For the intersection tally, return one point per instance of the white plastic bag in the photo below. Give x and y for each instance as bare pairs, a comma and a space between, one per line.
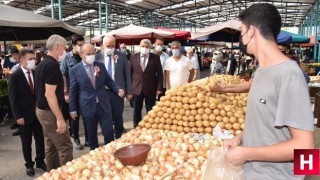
219, 169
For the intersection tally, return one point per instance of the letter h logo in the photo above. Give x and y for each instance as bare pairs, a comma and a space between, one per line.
306, 162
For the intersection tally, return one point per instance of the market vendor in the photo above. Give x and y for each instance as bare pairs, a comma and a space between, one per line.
278, 103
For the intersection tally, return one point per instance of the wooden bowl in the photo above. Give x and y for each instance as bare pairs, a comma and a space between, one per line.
134, 154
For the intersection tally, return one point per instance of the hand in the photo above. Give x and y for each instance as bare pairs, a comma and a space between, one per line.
66, 98
237, 155
232, 143
62, 126
121, 93
158, 93
129, 97
73, 116
20, 122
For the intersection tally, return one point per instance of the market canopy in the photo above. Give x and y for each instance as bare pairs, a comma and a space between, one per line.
228, 31
311, 43
20, 25
178, 34
297, 38
134, 33
284, 37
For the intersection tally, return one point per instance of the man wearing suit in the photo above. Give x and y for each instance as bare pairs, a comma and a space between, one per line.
117, 66
88, 79
23, 99
147, 79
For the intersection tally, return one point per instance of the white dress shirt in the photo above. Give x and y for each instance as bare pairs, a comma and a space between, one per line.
146, 60
25, 72
106, 62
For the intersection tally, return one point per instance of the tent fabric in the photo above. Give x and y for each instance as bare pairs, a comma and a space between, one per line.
133, 32
228, 31
20, 25
177, 33
284, 37
297, 38
311, 43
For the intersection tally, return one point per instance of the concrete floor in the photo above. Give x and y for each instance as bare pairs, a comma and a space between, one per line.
12, 162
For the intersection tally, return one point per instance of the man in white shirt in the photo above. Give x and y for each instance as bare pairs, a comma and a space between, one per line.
194, 59
158, 47
177, 68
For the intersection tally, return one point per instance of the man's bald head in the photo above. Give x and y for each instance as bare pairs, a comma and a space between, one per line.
87, 50
109, 41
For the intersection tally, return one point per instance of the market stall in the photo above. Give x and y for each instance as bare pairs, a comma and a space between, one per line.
180, 131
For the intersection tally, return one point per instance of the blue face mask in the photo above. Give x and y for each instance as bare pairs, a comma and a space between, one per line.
175, 52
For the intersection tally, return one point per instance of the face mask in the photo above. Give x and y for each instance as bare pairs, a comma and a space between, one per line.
124, 50
158, 48
31, 65
12, 60
62, 56
175, 52
244, 47
90, 59
78, 49
144, 51
109, 51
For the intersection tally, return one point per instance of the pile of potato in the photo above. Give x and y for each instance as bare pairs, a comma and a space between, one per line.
195, 108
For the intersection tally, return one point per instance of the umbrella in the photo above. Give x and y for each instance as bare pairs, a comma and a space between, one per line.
228, 31
132, 32
20, 25
311, 43
284, 37
297, 38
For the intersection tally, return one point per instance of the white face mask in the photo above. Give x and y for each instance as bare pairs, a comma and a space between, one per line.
61, 57
175, 52
90, 59
12, 60
31, 64
144, 50
158, 48
109, 51
78, 49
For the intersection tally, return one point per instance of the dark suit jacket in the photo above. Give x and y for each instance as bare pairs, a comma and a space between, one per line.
122, 76
21, 98
151, 79
80, 84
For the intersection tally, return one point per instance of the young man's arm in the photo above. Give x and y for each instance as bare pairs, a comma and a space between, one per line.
238, 88
301, 139
167, 79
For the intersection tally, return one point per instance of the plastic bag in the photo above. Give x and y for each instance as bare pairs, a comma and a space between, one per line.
219, 169
222, 134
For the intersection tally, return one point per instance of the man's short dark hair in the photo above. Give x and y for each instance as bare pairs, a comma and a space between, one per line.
75, 38
160, 39
286, 45
23, 52
265, 17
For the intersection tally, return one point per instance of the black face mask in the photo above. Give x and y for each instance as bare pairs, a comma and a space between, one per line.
244, 47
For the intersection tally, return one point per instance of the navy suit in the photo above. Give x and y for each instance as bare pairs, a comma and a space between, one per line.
122, 78
91, 110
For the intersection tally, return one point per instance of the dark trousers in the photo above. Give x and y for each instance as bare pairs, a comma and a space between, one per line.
162, 94
150, 101
105, 121
26, 132
117, 107
74, 124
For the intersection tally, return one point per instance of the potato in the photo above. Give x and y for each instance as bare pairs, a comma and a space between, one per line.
182, 112
201, 111
179, 99
208, 130
169, 111
205, 117
166, 115
194, 130
221, 124
213, 124
228, 126
192, 100
163, 120
216, 112
173, 128
186, 129
179, 117
194, 112
185, 100
200, 129
157, 120
199, 104
142, 124
161, 126
192, 124
185, 123
187, 112
180, 129
172, 116
151, 120
241, 120
208, 111
168, 121
160, 103
167, 127
206, 123
186, 106
193, 106
179, 105
173, 99
192, 118
236, 126
180, 123
167, 103
175, 122
233, 120
212, 117
199, 123
198, 117
173, 105
176, 111
225, 119
154, 126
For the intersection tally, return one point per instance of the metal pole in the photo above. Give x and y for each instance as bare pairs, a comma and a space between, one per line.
100, 19
316, 32
60, 10
52, 9
107, 16
147, 19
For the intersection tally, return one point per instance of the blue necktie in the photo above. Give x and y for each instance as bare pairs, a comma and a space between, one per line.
110, 67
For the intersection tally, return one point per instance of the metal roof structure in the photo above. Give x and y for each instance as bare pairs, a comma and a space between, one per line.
180, 14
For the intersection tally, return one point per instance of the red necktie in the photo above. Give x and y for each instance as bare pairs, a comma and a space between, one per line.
30, 83
92, 80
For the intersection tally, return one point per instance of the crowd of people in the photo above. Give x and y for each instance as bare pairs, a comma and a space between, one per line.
94, 85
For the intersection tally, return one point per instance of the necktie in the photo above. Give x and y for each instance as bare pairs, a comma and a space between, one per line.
143, 63
91, 77
30, 83
110, 66
92, 80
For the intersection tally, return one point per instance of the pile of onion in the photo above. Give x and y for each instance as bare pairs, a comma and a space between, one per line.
195, 108
169, 150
